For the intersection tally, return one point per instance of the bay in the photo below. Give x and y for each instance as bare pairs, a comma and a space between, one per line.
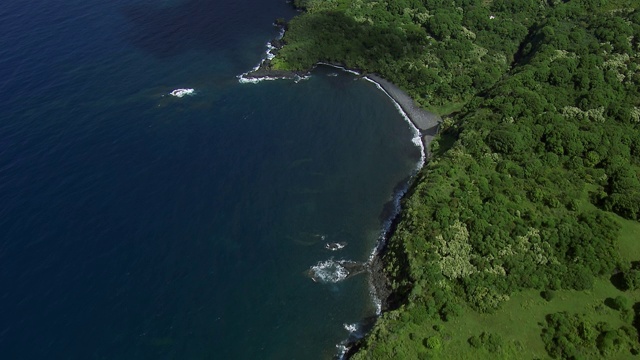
138, 225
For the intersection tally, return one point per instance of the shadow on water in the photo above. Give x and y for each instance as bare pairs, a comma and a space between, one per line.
390, 208
207, 25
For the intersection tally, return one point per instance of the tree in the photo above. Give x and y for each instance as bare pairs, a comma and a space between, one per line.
504, 141
632, 279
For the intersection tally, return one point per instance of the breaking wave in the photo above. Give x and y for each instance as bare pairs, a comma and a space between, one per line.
269, 55
182, 92
254, 80
335, 246
417, 136
328, 271
397, 197
351, 328
355, 333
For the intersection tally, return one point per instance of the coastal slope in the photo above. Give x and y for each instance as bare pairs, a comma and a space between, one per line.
517, 239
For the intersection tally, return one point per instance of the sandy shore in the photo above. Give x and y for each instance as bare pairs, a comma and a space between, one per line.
422, 119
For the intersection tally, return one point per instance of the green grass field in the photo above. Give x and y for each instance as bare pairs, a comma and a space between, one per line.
629, 240
520, 321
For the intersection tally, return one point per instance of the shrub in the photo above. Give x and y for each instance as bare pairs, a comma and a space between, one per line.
548, 294
433, 342
475, 342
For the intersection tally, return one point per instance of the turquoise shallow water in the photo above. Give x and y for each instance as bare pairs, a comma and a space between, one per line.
136, 225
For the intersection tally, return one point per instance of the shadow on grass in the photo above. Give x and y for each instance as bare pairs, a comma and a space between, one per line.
636, 318
617, 280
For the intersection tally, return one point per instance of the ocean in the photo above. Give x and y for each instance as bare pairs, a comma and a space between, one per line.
139, 225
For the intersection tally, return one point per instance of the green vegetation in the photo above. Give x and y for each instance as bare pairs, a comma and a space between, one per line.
514, 235
442, 53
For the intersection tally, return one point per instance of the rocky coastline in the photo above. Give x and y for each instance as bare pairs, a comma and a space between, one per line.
265, 70
425, 123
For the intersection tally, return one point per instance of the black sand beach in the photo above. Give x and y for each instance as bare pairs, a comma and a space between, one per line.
422, 119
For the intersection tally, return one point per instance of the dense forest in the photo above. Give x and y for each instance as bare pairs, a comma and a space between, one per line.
520, 237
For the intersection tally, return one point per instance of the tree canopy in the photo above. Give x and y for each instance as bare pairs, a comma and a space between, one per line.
520, 191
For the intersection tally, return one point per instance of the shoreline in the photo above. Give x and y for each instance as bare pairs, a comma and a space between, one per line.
425, 121
425, 126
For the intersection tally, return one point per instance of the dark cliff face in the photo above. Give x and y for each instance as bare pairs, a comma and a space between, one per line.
381, 284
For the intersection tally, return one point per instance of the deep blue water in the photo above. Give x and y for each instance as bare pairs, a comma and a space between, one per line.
136, 225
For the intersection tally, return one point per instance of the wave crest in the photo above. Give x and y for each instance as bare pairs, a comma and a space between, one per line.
182, 92
328, 271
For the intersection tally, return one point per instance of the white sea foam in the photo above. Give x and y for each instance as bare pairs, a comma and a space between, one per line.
339, 67
269, 55
417, 136
299, 78
328, 271
342, 351
397, 197
353, 329
182, 92
382, 240
417, 140
335, 246
254, 80
350, 327
355, 333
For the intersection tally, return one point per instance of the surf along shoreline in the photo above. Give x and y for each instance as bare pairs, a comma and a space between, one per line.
425, 126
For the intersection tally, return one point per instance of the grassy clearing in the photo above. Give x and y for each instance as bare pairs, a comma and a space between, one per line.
629, 239
520, 321
447, 108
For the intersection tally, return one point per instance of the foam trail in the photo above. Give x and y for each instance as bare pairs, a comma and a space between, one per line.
331, 271
417, 140
245, 80
344, 347
299, 78
354, 72
397, 197
342, 351
417, 136
269, 55
355, 333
